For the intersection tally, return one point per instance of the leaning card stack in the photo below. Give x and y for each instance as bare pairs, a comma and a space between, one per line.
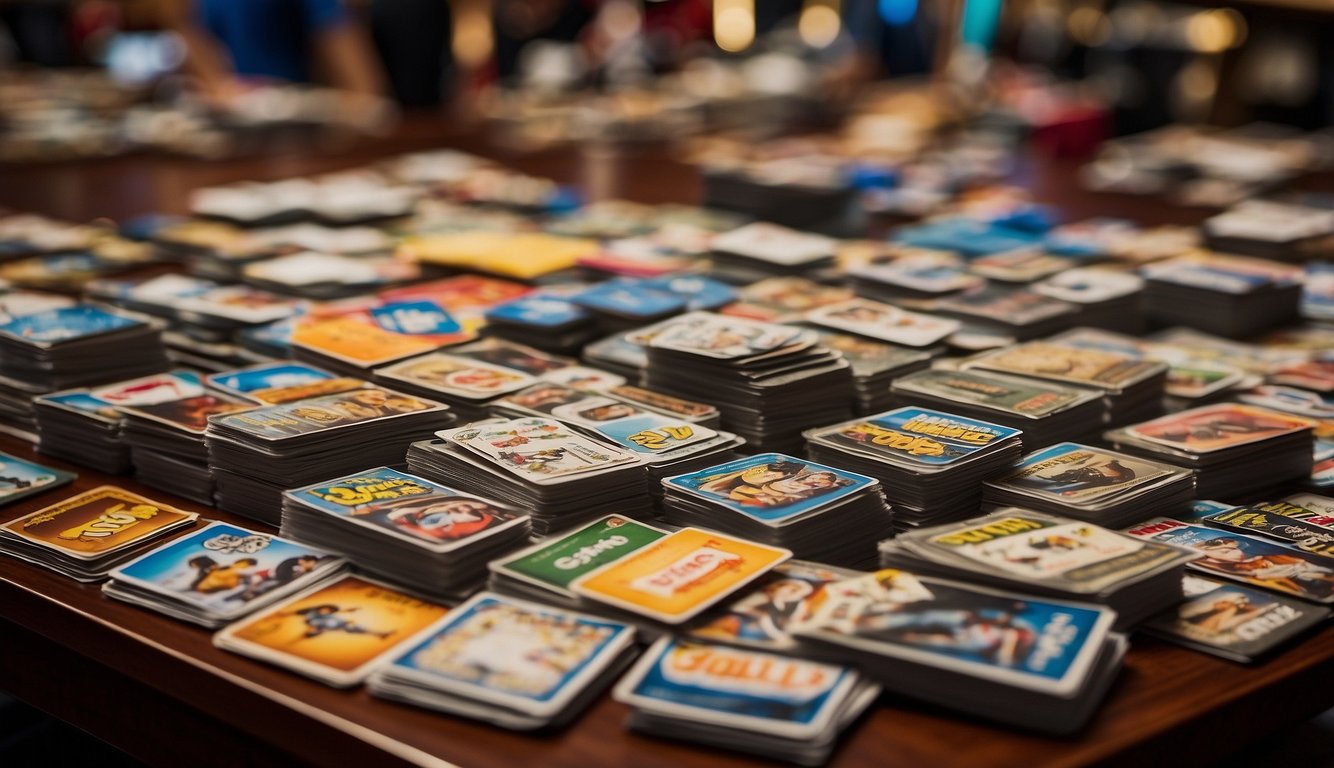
1094, 484
1235, 450
769, 381
1040, 554
785, 502
219, 573
560, 476
405, 528
1132, 387
1232, 296
508, 662
1029, 661
336, 632
1045, 412
255, 455
85, 536
930, 463
777, 707
466, 384
166, 442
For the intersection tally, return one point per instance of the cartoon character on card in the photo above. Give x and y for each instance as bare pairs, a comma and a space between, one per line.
327, 617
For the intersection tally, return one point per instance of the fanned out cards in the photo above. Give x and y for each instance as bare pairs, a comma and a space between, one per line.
1034, 662
1235, 556
752, 701
87, 535
336, 632
559, 475
1042, 554
1094, 484
786, 502
432, 538
931, 463
1046, 412
255, 455
509, 662
1234, 449
218, 574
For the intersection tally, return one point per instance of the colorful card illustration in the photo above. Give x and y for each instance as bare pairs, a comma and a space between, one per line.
780, 299
540, 311
772, 488
514, 654
739, 688
555, 563
510, 355
357, 342
918, 436
461, 293
628, 298
925, 274
82, 402
884, 322
1070, 473
150, 390
699, 292
650, 433
762, 617
1314, 509
1246, 559
96, 523
20, 478
1038, 644
667, 404
1024, 397
422, 318
222, 568
63, 324
1218, 427
539, 450
775, 244
457, 375
1225, 274
280, 395
409, 508
335, 632
1273, 520
727, 337
583, 378
190, 414
255, 382
1090, 367
676, 577
1013, 307
303, 417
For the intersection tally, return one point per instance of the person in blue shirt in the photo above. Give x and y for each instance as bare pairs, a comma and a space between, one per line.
231, 41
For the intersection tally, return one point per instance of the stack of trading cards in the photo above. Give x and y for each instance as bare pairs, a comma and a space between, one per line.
1227, 554
1045, 412
760, 376
1104, 298
1021, 314
85, 425
560, 476
1235, 450
1029, 661
255, 455
20, 478
755, 251
1230, 296
1290, 524
919, 274
1132, 387
544, 571
219, 573
777, 707
799, 505
668, 445
508, 662
930, 463
466, 384
405, 528
85, 536
874, 366
336, 632
79, 345
1016, 549
883, 322
166, 442
1232, 621
1093, 484
1274, 229
543, 320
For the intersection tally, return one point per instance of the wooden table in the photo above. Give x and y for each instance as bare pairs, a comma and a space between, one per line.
159, 690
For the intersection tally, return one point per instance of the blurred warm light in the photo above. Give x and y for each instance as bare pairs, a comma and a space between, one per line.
819, 24
1089, 26
1216, 30
734, 24
1195, 86
473, 40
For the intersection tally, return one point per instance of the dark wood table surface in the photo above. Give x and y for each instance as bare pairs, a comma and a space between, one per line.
158, 689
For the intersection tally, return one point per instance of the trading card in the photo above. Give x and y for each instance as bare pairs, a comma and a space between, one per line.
539, 450
727, 337
555, 563
547, 398
514, 654
19, 303
936, 273
884, 322
335, 632
772, 488
775, 244
917, 436
1271, 520
1315, 375
1217, 427
20, 478
1090, 285
1195, 381
239, 303
306, 391
700, 293
541, 310
189, 414
302, 417
741, 689
510, 355
762, 617
1069, 473
663, 403
409, 508
149, 390
676, 577
1241, 622
781, 299
652, 433
53, 326
458, 375
584, 379
256, 381
421, 318
1290, 400
869, 358
629, 299
1023, 397
1020, 266
1320, 508
1226, 274
356, 342
1006, 305
1107, 370
97, 522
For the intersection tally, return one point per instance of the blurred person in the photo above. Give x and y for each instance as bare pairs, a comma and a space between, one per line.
413, 40
520, 22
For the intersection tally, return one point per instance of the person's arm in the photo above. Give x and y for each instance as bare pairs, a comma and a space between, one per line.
205, 57
345, 57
